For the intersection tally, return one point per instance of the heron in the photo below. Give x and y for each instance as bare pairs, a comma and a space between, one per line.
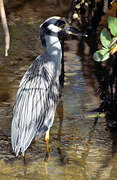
38, 92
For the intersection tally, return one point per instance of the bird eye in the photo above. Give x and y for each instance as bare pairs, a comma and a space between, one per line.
62, 26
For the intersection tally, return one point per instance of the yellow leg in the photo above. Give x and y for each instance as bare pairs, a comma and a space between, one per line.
47, 145
47, 141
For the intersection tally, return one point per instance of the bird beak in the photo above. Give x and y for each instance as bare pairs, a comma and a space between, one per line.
74, 31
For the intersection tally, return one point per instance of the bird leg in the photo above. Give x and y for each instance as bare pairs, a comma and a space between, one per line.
47, 143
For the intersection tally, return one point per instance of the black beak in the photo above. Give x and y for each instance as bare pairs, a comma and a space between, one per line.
74, 31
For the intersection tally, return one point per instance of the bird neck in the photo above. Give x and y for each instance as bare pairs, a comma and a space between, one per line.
53, 46
54, 54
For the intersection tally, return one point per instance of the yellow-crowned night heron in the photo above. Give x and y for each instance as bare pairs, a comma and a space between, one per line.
37, 96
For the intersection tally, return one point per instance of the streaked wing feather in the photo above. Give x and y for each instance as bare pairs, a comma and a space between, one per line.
34, 106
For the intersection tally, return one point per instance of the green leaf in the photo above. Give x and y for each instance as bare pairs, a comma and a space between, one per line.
105, 38
101, 55
112, 25
86, 4
95, 115
78, 6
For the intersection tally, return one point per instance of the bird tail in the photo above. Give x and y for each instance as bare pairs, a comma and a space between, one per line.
21, 138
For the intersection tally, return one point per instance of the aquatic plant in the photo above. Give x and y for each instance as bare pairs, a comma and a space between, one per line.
108, 41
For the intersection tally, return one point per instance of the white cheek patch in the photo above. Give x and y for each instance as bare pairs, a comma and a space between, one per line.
53, 17
54, 28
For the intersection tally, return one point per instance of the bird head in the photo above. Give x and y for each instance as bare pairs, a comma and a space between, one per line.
57, 26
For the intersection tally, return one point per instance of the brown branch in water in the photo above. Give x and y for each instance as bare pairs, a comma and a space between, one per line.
5, 27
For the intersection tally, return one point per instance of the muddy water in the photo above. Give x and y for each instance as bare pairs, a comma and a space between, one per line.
80, 147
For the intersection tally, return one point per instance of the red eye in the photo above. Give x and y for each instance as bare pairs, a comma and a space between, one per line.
62, 26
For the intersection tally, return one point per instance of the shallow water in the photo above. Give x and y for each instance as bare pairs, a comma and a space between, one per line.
80, 147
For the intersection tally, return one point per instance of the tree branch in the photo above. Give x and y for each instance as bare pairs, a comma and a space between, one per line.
5, 27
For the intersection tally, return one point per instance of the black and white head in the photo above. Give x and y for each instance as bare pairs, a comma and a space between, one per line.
54, 26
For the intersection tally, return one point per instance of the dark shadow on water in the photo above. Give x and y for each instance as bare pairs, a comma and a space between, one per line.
60, 116
100, 77
62, 155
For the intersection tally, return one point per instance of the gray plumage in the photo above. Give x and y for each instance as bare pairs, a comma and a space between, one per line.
37, 96
35, 105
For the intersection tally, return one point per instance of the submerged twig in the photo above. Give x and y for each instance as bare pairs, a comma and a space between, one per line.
5, 27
